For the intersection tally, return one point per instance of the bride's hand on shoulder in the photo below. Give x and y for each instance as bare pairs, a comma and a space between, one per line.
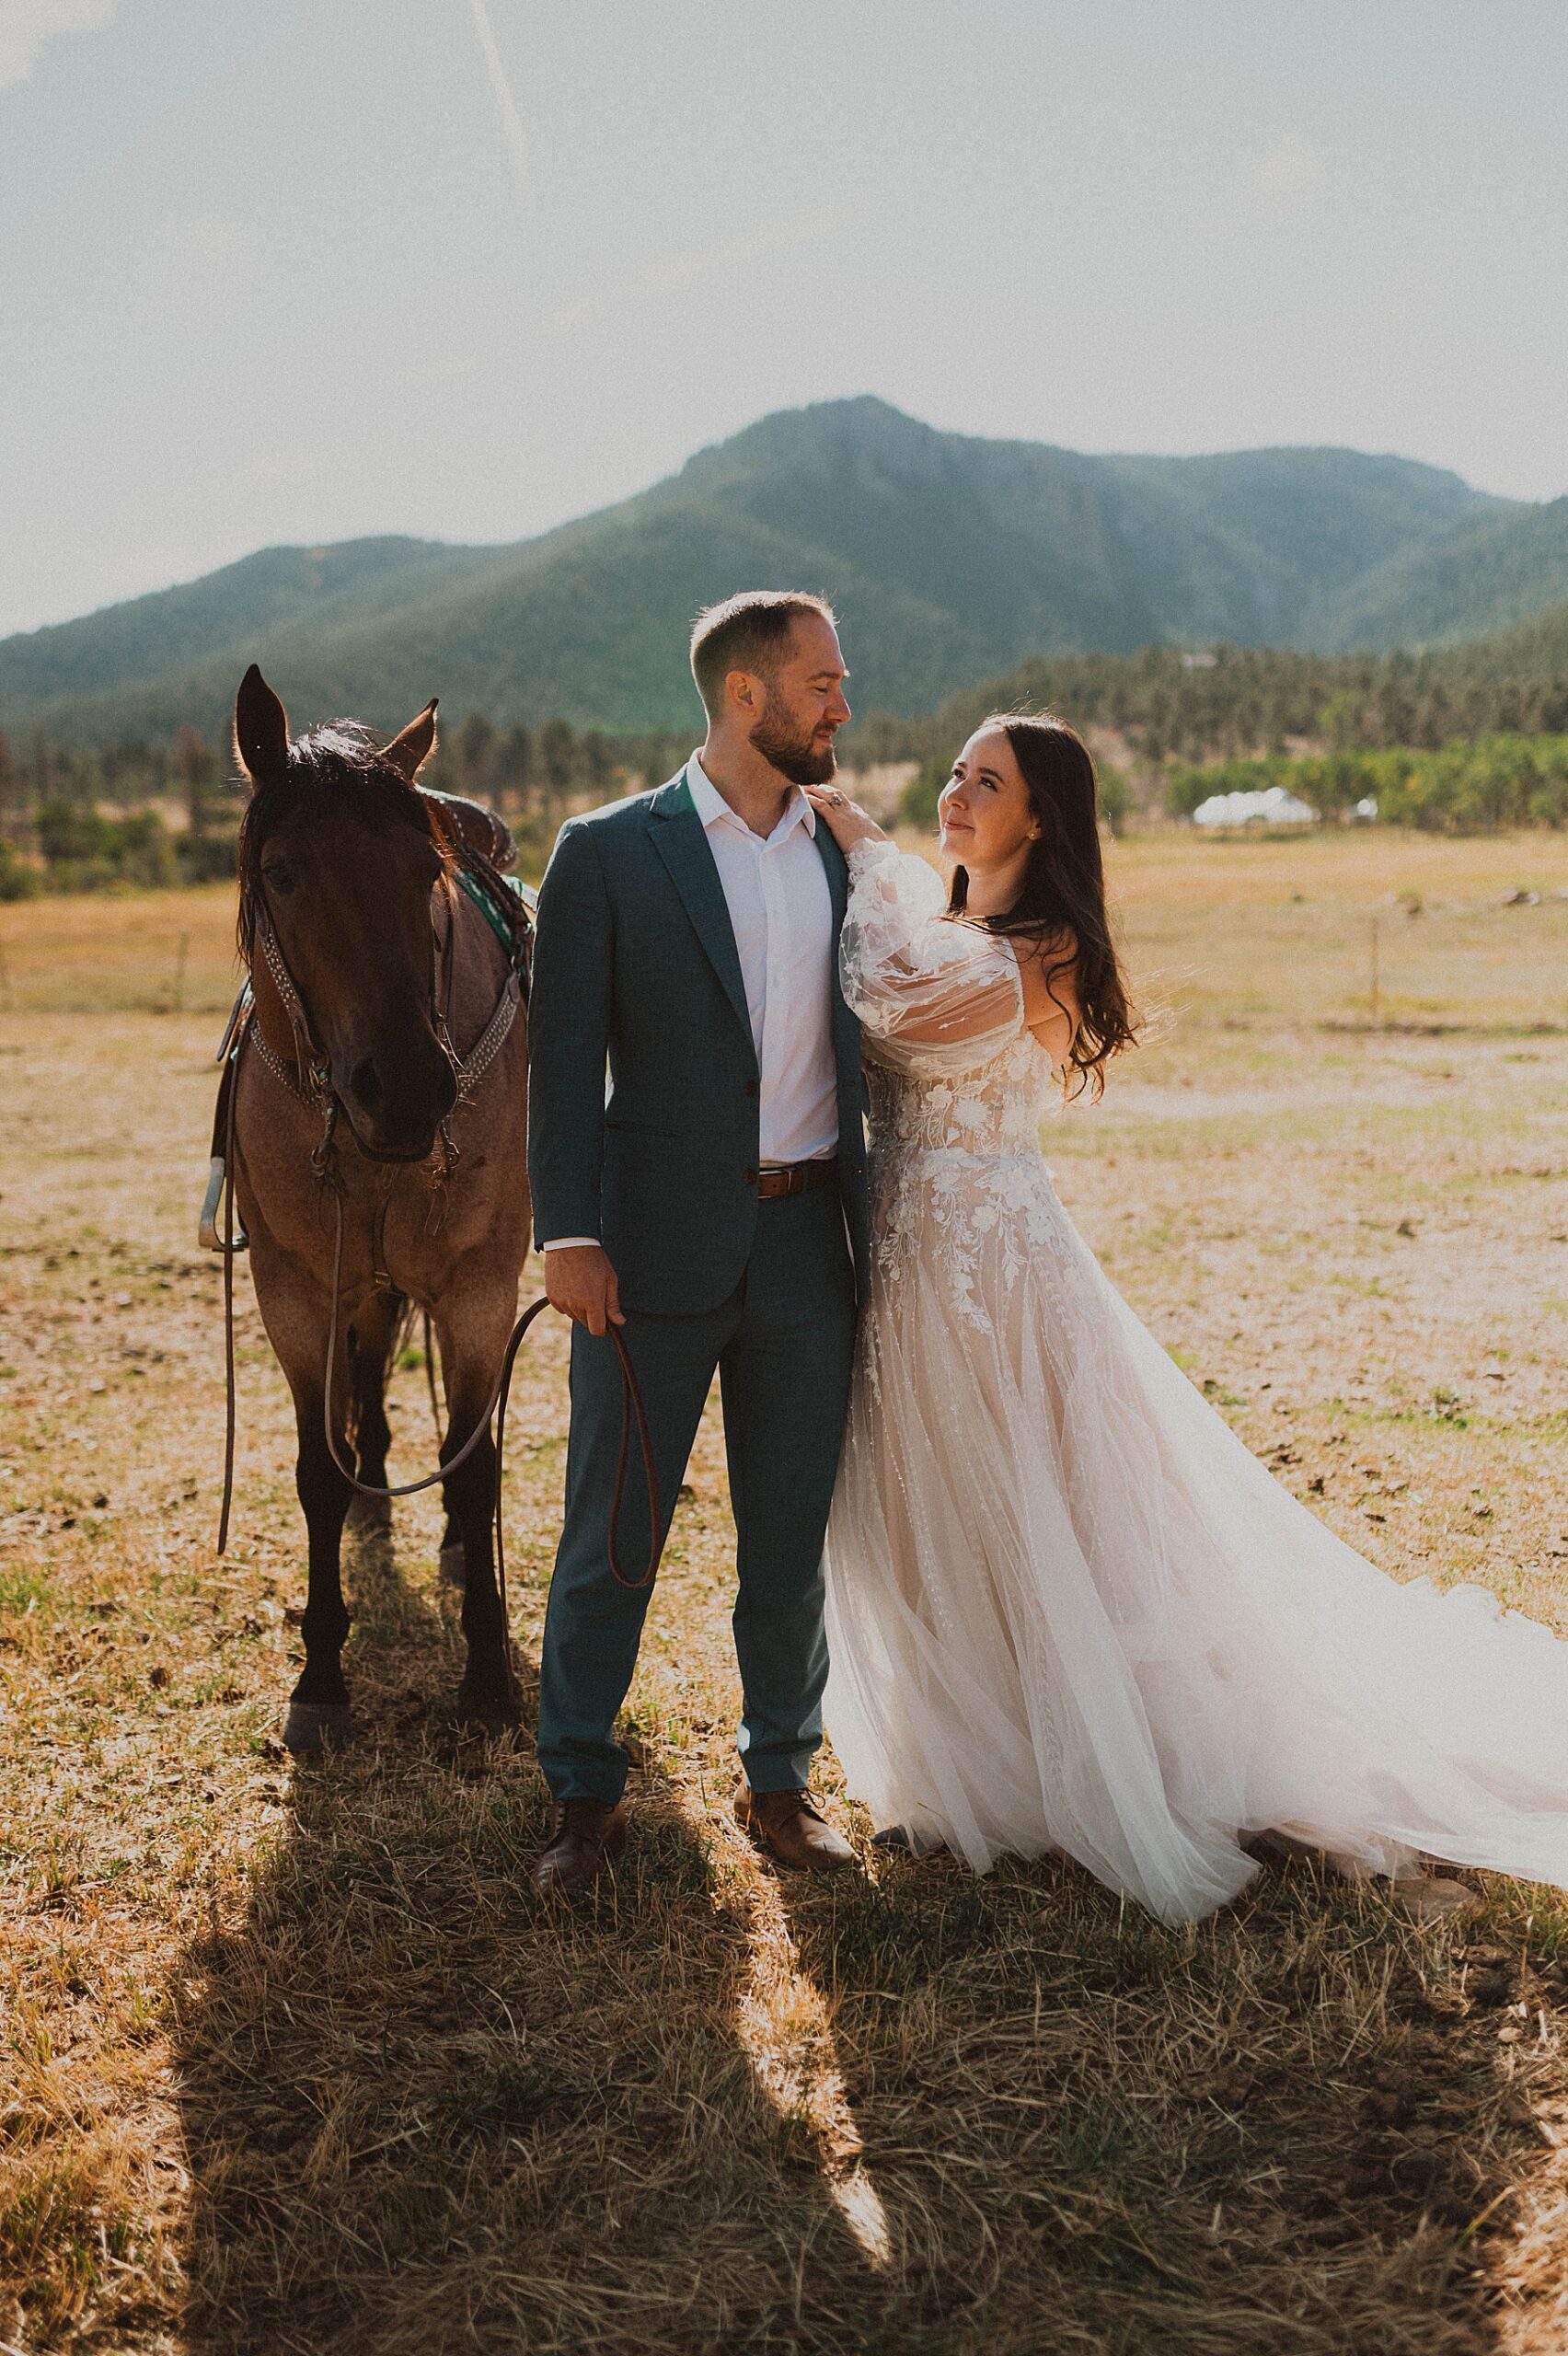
845, 820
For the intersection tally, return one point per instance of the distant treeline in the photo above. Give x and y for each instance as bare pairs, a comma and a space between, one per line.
1461, 788
535, 775
1234, 701
147, 814
144, 812
134, 813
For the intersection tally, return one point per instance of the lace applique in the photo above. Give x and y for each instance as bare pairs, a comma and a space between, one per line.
959, 1087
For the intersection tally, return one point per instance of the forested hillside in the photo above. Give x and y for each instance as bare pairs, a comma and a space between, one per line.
1234, 702
277, 592
1485, 572
950, 560
159, 811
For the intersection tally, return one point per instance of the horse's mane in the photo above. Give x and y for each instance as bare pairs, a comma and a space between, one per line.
342, 757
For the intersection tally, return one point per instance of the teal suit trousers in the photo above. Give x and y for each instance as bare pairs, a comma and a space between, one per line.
781, 1344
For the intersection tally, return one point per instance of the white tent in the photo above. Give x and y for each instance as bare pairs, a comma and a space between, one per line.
1277, 806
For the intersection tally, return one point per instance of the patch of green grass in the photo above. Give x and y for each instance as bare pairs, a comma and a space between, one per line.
23, 1590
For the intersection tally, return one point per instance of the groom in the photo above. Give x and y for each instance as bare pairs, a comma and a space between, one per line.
713, 1206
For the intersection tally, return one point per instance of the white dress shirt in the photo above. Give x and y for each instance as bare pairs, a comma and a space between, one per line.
782, 915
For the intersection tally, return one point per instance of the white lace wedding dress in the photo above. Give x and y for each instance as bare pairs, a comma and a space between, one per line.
1066, 1609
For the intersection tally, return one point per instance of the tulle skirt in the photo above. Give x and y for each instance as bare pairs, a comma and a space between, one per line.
1067, 1610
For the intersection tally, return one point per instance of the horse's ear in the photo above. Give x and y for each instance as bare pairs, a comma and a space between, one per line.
410, 750
260, 729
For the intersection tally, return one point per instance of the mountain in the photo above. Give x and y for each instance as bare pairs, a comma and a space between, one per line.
950, 559
1535, 647
1485, 572
276, 592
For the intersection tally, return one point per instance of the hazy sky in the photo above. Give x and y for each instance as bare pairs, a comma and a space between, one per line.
298, 270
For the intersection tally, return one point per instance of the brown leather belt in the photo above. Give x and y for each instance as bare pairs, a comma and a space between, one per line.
796, 1178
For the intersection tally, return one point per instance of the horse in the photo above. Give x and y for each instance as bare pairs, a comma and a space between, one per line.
375, 1118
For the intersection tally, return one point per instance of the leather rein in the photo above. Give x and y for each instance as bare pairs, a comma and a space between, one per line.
308, 1079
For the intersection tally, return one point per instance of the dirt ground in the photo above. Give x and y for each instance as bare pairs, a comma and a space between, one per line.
293, 2058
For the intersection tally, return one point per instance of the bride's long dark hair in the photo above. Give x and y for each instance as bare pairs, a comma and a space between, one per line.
1061, 903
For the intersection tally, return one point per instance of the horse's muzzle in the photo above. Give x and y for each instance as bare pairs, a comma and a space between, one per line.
396, 1098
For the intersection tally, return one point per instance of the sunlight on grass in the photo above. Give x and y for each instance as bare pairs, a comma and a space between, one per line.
786, 2030
297, 2060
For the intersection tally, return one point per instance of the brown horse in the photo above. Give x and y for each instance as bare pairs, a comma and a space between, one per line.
378, 1112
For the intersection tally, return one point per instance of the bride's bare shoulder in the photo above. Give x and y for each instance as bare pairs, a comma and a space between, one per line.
1048, 970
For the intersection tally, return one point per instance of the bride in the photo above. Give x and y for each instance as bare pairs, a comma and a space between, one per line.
1066, 1609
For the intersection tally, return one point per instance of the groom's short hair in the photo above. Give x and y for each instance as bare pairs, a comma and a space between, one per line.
747, 633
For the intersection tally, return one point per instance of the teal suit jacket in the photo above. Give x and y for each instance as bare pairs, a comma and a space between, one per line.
635, 963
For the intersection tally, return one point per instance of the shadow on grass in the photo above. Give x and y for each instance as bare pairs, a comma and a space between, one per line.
425, 2109
1292, 2130
715, 2110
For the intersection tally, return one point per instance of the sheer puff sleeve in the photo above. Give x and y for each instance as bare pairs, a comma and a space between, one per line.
933, 996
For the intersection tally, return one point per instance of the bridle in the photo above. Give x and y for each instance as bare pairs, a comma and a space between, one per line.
310, 1081
309, 1077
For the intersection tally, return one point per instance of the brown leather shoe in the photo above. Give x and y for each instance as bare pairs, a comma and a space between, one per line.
790, 1827
584, 1835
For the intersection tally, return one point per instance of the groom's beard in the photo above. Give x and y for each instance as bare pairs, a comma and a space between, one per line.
795, 756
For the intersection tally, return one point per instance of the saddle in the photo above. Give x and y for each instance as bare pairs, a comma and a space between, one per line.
473, 827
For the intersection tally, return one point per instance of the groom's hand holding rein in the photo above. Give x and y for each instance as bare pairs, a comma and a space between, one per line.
579, 1281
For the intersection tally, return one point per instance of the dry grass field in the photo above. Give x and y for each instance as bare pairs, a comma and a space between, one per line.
294, 2061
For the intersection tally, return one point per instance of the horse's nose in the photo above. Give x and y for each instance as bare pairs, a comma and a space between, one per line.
400, 1093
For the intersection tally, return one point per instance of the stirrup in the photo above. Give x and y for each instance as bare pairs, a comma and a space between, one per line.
207, 1234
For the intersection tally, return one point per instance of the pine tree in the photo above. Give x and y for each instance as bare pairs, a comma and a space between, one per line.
514, 769
476, 749
557, 749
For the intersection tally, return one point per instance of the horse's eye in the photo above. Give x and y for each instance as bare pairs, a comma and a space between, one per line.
278, 875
